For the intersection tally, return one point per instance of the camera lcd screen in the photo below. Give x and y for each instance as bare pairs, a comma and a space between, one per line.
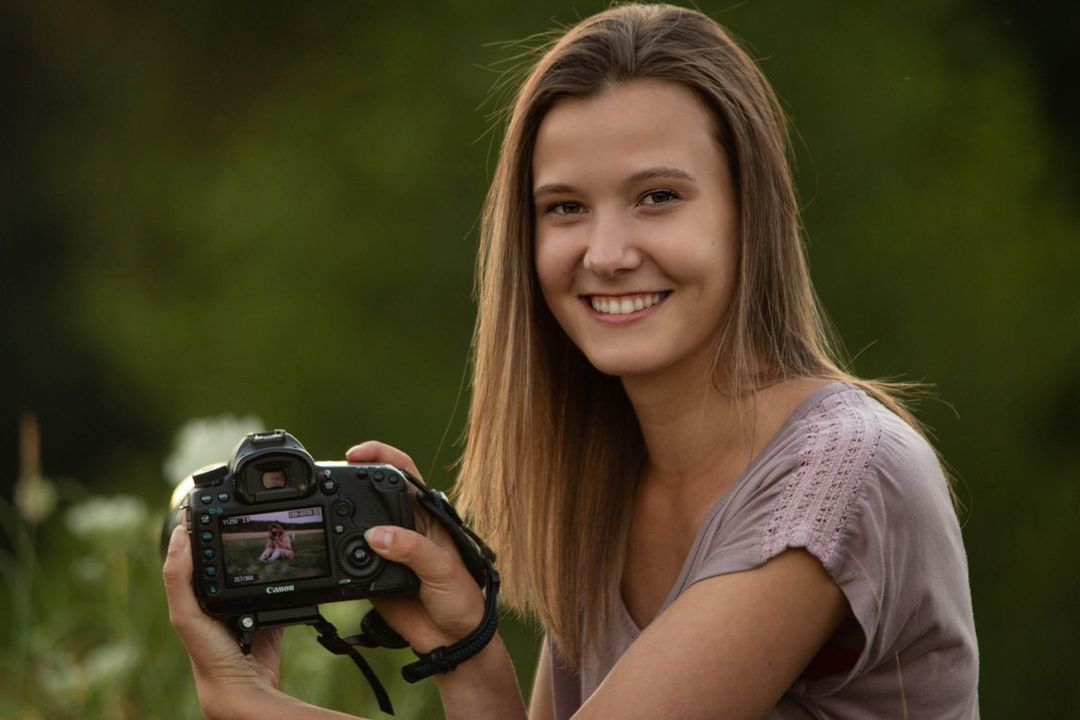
274, 546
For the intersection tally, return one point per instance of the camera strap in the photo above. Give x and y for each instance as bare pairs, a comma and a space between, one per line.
328, 638
478, 558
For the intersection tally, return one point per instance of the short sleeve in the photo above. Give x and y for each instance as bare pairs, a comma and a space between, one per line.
864, 493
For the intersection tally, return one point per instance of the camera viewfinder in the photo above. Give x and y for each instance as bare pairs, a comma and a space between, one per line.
272, 479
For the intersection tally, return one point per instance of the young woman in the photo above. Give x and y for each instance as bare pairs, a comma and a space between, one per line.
710, 517
278, 545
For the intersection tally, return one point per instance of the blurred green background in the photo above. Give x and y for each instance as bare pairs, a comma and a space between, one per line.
269, 210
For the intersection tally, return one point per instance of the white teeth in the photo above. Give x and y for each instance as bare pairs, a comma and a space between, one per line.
624, 305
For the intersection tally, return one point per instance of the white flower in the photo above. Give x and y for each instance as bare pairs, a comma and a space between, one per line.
60, 674
117, 516
108, 661
206, 440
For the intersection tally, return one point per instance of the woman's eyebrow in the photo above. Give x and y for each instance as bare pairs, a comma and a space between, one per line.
652, 173
551, 189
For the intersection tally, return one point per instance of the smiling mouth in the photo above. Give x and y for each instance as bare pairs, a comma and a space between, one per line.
625, 304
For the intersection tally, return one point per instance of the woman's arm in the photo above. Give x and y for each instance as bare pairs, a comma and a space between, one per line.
483, 687
448, 607
540, 704
729, 647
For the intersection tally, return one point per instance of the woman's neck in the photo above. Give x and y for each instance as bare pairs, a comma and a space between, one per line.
687, 424
692, 428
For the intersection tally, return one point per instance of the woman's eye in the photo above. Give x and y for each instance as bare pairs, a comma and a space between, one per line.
658, 197
564, 208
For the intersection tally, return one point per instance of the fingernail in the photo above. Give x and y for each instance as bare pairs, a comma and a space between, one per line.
379, 537
177, 540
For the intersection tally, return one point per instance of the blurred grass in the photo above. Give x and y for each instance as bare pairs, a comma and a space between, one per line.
88, 635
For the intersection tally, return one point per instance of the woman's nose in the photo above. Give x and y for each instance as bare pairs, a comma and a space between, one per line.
611, 248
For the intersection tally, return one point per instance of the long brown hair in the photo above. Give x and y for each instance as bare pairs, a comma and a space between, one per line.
553, 449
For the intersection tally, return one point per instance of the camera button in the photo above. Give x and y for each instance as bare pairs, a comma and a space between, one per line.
212, 589
208, 554
329, 486
206, 498
207, 536
204, 519
211, 571
215, 511
223, 497
378, 475
343, 508
339, 529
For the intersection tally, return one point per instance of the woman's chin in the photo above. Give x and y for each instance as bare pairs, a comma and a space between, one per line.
625, 367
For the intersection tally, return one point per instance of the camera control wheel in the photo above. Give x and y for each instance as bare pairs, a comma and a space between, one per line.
357, 559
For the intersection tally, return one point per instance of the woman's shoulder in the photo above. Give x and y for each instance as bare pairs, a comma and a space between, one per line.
840, 467
843, 434
848, 454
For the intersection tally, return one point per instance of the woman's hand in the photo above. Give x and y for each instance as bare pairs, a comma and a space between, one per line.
450, 604
225, 678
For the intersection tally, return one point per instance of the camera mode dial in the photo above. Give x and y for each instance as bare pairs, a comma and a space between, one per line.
357, 559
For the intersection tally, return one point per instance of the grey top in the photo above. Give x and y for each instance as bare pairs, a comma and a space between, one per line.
853, 484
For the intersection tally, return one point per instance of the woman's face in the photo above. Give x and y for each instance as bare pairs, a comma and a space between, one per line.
636, 227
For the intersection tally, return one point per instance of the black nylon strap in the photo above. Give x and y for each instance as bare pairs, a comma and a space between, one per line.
475, 553
446, 658
481, 566
329, 639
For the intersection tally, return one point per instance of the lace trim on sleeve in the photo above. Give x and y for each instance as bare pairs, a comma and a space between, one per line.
842, 437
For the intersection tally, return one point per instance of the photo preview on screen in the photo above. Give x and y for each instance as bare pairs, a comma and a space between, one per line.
274, 546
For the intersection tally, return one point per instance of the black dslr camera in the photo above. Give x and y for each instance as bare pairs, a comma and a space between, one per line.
274, 534
273, 530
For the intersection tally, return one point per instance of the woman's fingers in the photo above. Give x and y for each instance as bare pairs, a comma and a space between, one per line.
200, 634
431, 563
374, 451
213, 650
184, 609
449, 595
